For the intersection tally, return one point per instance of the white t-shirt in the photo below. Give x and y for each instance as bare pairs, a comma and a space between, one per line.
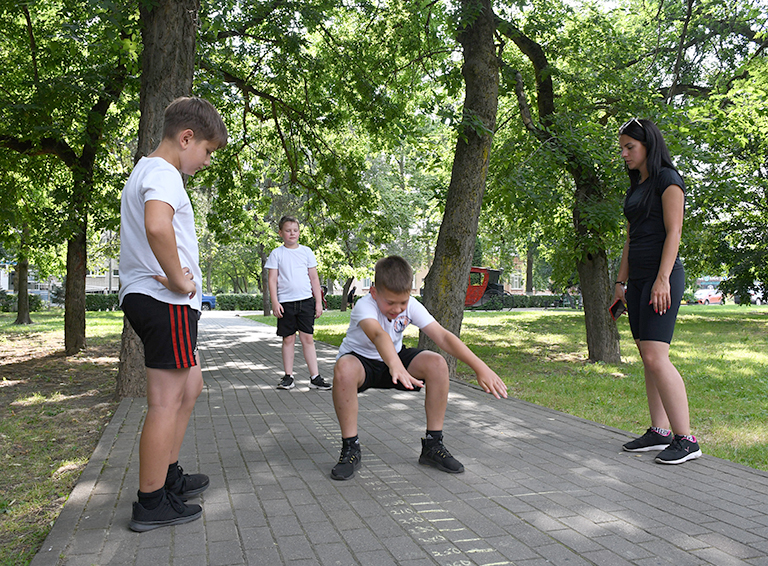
357, 340
292, 266
154, 178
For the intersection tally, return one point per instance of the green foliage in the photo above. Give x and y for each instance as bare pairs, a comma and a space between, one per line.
9, 302
101, 302
507, 302
239, 302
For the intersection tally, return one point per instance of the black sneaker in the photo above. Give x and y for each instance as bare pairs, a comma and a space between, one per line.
318, 382
186, 485
350, 459
651, 440
438, 457
286, 382
171, 511
681, 450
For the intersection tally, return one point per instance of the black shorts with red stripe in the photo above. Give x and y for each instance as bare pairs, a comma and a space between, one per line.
168, 332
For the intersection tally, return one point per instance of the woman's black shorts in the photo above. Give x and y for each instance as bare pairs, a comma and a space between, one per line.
646, 324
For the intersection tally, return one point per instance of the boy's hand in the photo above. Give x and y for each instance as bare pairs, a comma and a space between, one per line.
408, 381
183, 287
277, 308
318, 309
492, 383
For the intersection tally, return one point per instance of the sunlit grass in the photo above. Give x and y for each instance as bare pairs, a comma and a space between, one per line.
721, 352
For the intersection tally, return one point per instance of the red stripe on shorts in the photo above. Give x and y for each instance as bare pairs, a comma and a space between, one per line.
175, 342
188, 340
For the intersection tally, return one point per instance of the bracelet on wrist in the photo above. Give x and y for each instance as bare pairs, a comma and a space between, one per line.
622, 283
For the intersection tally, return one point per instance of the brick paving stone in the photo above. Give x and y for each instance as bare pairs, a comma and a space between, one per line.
540, 487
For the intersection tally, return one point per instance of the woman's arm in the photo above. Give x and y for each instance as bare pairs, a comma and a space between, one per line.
673, 204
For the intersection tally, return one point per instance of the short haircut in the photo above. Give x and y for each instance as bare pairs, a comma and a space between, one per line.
285, 220
198, 115
394, 274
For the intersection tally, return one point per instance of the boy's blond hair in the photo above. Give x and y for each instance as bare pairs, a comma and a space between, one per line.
285, 220
394, 274
198, 115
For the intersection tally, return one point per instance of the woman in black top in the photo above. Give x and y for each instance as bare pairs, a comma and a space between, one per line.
654, 278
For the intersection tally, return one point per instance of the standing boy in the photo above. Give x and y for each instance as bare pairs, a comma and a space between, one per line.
294, 288
372, 355
160, 295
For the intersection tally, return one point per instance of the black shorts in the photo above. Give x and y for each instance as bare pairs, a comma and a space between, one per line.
168, 332
646, 324
377, 374
297, 315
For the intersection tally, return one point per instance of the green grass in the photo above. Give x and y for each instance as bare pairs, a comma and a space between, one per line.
721, 351
52, 411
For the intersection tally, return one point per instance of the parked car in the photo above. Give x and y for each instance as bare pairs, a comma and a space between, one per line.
755, 297
209, 302
709, 296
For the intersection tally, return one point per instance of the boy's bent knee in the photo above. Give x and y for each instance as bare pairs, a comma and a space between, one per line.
349, 371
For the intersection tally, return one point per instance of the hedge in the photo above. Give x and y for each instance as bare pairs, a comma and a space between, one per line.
8, 302
522, 301
239, 302
101, 302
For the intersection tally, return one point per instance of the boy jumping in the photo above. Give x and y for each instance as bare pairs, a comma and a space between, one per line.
372, 355
160, 295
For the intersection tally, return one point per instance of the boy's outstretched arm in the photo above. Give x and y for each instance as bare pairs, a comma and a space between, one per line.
386, 349
158, 223
452, 344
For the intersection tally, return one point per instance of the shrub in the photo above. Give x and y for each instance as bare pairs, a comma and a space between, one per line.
239, 302
101, 302
8, 302
519, 301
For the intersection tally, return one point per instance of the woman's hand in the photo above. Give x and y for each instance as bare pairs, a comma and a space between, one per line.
661, 295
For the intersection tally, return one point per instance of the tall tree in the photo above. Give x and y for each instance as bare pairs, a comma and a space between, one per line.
168, 62
446, 282
56, 100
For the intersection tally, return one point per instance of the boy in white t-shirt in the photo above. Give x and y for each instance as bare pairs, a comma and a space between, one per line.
294, 289
160, 289
372, 355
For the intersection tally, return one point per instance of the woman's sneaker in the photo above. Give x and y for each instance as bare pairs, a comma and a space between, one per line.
437, 456
681, 450
318, 382
171, 511
350, 459
286, 382
651, 440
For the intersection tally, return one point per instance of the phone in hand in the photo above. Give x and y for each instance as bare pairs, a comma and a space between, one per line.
617, 309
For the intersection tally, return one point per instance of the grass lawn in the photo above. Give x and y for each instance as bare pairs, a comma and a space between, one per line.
721, 351
53, 409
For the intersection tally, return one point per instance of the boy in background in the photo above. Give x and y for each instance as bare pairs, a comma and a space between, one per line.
294, 288
160, 295
372, 355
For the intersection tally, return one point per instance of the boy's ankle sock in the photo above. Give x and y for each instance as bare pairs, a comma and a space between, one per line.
173, 473
152, 499
661, 431
352, 440
433, 437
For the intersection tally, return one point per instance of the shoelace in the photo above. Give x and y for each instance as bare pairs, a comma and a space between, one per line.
441, 451
347, 452
176, 502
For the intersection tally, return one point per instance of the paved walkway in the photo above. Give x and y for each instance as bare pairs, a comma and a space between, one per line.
540, 487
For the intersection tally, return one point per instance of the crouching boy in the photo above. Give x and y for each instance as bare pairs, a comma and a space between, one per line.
372, 355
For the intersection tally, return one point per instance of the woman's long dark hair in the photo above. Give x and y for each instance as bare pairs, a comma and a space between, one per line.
657, 155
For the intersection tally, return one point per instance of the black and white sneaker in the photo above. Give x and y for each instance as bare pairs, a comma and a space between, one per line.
350, 460
286, 382
186, 485
437, 456
681, 450
318, 382
651, 440
171, 511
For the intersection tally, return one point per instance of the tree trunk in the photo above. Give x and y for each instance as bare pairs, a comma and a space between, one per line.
74, 297
446, 283
529, 259
265, 296
22, 293
596, 289
168, 63
345, 293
